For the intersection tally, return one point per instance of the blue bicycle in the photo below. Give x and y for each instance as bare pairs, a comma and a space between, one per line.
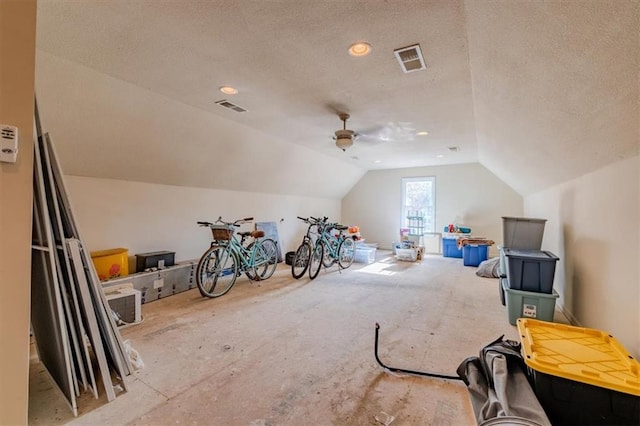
331, 248
228, 257
305, 255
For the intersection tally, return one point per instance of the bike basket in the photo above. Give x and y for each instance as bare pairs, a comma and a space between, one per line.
222, 233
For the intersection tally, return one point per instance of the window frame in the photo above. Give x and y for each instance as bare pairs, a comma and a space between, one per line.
405, 210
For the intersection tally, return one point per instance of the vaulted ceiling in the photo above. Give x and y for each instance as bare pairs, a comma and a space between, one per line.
538, 92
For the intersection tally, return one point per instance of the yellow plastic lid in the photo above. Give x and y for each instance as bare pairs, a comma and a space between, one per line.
109, 252
581, 354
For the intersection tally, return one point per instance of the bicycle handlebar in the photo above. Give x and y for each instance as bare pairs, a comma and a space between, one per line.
219, 220
313, 220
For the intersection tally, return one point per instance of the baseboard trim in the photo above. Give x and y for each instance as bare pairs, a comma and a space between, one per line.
568, 315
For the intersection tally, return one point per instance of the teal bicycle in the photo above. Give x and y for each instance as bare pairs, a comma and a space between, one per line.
305, 256
332, 248
229, 257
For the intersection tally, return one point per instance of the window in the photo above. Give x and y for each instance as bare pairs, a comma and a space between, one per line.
419, 200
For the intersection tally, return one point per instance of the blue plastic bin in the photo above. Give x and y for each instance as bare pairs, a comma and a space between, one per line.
531, 270
450, 248
474, 255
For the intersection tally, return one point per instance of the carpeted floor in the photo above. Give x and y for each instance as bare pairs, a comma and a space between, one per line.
301, 352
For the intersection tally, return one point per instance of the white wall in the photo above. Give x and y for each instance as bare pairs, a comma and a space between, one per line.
145, 217
108, 128
468, 191
593, 226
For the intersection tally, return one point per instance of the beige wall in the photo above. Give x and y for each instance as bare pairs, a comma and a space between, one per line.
593, 227
17, 42
146, 217
468, 191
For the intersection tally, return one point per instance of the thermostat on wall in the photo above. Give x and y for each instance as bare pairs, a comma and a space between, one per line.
8, 143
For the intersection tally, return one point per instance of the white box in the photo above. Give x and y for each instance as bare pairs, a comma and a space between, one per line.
126, 303
365, 254
408, 255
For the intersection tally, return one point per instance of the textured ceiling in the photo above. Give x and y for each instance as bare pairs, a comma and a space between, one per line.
539, 92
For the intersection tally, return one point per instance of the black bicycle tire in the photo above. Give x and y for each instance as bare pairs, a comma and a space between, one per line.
314, 273
203, 263
353, 254
272, 262
296, 260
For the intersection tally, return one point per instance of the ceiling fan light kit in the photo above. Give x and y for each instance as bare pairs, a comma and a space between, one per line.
343, 142
344, 137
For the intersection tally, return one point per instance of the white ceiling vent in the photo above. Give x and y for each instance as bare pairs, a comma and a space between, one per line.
225, 103
410, 58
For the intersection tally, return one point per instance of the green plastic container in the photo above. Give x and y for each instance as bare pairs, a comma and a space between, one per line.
528, 304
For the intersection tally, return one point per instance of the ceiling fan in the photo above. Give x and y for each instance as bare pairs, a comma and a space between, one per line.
389, 132
344, 137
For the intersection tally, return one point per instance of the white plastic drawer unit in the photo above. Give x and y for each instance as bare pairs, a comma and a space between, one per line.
158, 284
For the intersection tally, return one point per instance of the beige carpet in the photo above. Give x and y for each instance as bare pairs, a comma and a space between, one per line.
300, 352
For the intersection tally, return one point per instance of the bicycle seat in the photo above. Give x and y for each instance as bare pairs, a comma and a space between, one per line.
254, 234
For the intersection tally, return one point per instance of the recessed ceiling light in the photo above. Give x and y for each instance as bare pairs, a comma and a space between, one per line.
422, 133
439, 155
228, 90
378, 161
361, 48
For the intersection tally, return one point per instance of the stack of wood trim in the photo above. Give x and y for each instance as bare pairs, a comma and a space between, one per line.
75, 333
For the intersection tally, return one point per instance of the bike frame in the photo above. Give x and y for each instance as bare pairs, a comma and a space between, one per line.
245, 256
332, 242
307, 238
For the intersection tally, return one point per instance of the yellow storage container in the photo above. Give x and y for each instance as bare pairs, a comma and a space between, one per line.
112, 263
581, 375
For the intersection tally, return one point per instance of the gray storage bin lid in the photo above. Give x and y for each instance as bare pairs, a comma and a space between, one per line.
524, 219
530, 254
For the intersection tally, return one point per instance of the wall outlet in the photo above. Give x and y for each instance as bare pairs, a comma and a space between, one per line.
158, 283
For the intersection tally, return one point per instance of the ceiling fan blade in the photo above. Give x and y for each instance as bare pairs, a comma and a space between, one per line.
399, 132
379, 133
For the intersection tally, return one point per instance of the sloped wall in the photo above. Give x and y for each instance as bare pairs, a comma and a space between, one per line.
108, 128
552, 81
593, 226
145, 217
468, 191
